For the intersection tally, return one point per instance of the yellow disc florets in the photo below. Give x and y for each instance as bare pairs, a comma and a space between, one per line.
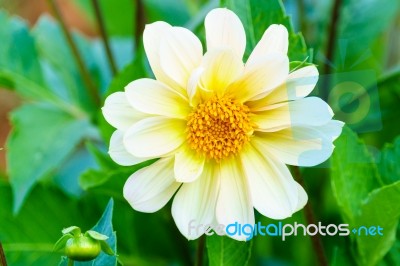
219, 127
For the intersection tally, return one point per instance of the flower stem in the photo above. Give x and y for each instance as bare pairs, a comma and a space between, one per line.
310, 219
200, 251
3, 261
79, 61
70, 262
331, 46
140, 21
104, 36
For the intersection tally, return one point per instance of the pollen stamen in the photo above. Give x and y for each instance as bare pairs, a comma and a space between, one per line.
219, 128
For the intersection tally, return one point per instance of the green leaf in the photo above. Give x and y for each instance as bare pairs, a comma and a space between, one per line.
353, 173
257, 15
42, 138
104, 226
60, 244
28, 238
106, 248
379, 209
74, 230
96, 235
295, 65
389, 166
223, 250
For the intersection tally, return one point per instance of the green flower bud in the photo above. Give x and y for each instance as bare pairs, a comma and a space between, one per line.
82, 248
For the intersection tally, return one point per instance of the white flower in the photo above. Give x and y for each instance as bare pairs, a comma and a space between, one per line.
224, 130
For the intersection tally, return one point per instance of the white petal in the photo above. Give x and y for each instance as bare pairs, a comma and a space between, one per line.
151, 187
193, 89
180, 53
299, 84
153, 97
118, 152
188, 164
273, 191
234, 202
221, 68
260, 78
274, 40
154, 137
303, 198
196, 202
119, 113
311, 111
225, 30
302, 146
152, 37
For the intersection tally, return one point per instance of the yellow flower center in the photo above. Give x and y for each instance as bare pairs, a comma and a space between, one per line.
219, 127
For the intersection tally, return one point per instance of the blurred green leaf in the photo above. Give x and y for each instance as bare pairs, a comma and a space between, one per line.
118, 15
353, 173
223, 250
29, 237
378, 210
103, 226
175, 12
42, 138
257, 15
389, 166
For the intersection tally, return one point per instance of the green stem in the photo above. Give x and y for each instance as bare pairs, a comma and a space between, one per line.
3, 261
70, 262
104, 36
79, 61
331, 47
310, 219
200, 251
140, 21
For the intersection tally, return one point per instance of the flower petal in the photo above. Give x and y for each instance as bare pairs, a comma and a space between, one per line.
303, 198
234, 202
196, 202
153, 97
311, 111
118, 152
188, 164
180, 53
298, 85
221, 68
274, 40
153, 35
225, 30
302, 146
151, 187
155, 136
119, 113
273, 191
260, 78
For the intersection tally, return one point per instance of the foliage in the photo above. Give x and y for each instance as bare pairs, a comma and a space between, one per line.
59, 173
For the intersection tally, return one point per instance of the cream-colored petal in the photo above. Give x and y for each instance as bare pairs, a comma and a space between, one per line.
225, 30
153, 35
234, 201
194, 204
273, 191
260, 78
151, 187
118, 152
155, 137
119, 113
180, 53
274, 40
153, 97
221, 68
188, 164
299, 84
311, 111
193, 86
302, 146
303, 197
